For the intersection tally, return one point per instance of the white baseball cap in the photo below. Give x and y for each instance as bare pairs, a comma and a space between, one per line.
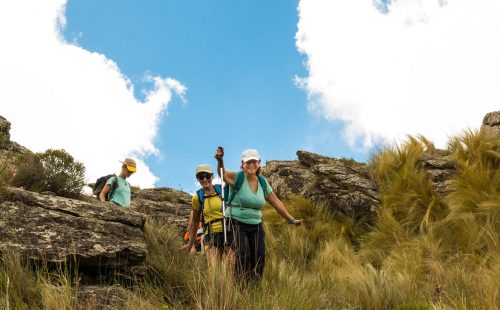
250, 154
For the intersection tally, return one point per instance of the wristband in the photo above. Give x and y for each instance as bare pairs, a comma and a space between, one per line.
290, 221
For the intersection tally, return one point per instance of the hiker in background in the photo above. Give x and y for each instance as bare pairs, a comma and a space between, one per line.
121, 194
248, 193
199, 234
207, 206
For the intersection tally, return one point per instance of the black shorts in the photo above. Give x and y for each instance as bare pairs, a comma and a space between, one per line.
217, 239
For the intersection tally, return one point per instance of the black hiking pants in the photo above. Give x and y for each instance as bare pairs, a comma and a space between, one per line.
250, 250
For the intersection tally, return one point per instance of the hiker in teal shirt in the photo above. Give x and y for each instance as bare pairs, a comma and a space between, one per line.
248, 193
121, 194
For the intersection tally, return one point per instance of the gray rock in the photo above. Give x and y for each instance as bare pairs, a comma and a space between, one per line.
5, 143
491, 123
99, 297
440, 171
99, 235
163, 204
344, 185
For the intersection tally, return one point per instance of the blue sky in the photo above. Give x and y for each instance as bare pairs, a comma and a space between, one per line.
238, 60
168, 81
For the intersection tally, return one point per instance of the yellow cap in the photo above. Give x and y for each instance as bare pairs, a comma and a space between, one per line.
130, 163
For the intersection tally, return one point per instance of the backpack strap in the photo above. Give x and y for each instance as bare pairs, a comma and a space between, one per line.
201, 199
263, 183
239, 182
114, 186
240, 176
218, 189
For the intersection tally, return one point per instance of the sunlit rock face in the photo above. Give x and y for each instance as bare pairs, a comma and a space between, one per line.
163, 204
99, 236
344, 185
491, 123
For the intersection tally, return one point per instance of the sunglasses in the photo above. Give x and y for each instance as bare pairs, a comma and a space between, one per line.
204, 176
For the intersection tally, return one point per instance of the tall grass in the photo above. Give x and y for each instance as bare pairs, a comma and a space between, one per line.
405, 189
424, 252
25, 286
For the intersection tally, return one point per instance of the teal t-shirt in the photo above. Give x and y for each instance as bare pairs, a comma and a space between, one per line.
247, 204
122, 193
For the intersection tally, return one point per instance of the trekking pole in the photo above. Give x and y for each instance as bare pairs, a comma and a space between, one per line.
223, 204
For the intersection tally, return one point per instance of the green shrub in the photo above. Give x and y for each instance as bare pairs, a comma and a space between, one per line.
54, 170
64, 176
29, 172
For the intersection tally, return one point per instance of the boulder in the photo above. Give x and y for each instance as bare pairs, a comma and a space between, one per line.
99, 297
5, 143
440, 171
491, 123
163, 204
100, 236
344, 185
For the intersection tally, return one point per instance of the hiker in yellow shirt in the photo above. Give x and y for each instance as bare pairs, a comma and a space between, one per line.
207, 206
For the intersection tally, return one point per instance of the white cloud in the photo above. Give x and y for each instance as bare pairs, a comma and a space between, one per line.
59, 95
426, 67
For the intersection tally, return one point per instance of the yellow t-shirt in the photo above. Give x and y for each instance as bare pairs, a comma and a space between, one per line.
212, 210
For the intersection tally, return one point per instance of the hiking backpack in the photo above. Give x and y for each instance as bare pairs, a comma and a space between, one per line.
101, 182
201, 199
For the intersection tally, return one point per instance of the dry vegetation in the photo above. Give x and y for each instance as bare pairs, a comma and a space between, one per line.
424, 252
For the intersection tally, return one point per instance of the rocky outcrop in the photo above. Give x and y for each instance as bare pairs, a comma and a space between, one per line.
163, 204
440, 171
344, 185
5, 143
5, 128
99, 236
99, 297
491, 123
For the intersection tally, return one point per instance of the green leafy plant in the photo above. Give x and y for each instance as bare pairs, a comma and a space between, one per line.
29, 172
63, 175
54, 170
